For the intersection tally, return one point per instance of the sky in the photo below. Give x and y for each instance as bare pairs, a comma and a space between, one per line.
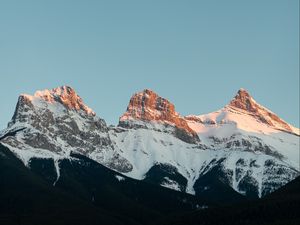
197, 53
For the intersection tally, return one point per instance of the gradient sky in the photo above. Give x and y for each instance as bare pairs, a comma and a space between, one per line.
197, 53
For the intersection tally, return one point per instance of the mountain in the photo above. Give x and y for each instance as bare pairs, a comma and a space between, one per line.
54, 123
242, 148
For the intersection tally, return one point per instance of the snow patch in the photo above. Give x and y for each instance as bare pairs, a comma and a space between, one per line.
119, 178
168, 183
56, 164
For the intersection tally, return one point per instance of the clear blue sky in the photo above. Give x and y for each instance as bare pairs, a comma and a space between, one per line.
195, 53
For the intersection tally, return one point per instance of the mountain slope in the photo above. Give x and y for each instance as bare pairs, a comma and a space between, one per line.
279, 208
85, 193
25, 198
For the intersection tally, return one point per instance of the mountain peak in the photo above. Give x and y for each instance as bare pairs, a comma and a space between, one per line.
53, 94
243, 100
64, 95
243, 92
148, 91
59, 91
148, 106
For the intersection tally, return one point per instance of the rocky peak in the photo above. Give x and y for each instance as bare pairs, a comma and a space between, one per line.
66, 96
56, 101
243, 101
149, 107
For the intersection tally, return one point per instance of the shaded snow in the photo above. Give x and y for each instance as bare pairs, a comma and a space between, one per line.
170, 184
119, 178
56, 164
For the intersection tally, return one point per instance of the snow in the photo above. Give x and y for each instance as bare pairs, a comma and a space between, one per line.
25, 155
170, 184
228, 122
56, 164
144, 147
119, 178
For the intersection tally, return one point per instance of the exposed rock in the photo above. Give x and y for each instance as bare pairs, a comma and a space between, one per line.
66, 96
148, 106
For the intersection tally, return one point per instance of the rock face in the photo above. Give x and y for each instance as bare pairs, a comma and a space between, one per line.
67, 97
147, 106
244, 101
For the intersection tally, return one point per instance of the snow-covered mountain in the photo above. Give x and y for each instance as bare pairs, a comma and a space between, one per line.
54, 123
243, 146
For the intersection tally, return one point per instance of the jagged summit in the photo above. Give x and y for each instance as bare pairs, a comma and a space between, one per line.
243, 100
147, 105
150, 107
246, 114
64, 95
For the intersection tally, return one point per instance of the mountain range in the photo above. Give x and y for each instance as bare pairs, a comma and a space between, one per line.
155, 159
